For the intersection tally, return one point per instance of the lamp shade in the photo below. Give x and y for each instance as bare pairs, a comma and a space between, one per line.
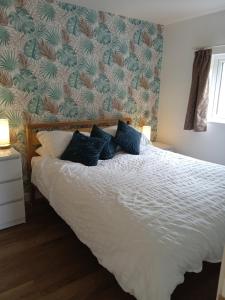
146, 130
4, 133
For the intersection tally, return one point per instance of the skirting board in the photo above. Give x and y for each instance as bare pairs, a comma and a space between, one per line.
13, 223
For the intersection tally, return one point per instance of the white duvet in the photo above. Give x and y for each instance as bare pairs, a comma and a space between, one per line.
148, 218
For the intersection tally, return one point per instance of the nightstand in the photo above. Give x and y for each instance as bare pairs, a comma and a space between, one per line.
163, 146
12, 208
221, 285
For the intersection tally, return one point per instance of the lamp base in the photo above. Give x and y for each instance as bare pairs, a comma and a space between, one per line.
5, 147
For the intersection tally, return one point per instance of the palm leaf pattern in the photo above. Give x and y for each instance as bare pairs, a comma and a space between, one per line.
102, 34
74, 80
158, 43
52, 36
26, 81
108, 57
148, 72
132, 62
102, 84
138, 37
115, 42
2, 114
6, 3
55, 93
91, 16
150, 28
21, 137
67, 6
5, 79
6, 96
31, 49
159, 63
8, 61
15, 118
4, 36
67, 56
136, 80
87, 46
69, 108
39, 31
73, 25
107, 104
155, 85
48, 70
43, 87
148, 54
36, 105
121, 93
61, 60
120, 25
46, 11
22, 21
88, 96
81, 10
90, 67
145, 96
119, 74
130, 106
122, 47
135, 21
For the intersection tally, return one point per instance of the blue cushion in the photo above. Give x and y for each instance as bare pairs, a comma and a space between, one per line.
128, 138
109, 150
84, 149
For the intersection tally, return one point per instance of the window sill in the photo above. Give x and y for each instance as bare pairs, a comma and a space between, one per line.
216, 121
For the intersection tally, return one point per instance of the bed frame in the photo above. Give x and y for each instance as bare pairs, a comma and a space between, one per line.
85, 125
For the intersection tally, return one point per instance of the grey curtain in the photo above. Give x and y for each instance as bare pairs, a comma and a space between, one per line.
196, 117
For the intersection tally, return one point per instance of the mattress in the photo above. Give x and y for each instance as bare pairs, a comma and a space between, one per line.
148, 219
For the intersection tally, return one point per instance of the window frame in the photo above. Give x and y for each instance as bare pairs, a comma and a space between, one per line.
215, 78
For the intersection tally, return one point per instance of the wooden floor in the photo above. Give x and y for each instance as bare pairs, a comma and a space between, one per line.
43, 259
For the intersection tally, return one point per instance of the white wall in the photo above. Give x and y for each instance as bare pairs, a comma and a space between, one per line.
180, 41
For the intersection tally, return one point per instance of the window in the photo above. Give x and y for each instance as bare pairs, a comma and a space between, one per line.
216, 110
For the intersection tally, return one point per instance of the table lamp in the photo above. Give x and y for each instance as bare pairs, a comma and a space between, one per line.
146, 130
4, 134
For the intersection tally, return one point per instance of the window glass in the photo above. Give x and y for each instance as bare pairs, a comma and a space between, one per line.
216, 110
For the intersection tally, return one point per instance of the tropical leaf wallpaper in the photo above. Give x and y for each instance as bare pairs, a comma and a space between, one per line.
63, 61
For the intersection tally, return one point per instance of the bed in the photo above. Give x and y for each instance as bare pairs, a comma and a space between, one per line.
148, 219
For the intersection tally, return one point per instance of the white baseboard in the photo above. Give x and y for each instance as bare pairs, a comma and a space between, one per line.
13, 223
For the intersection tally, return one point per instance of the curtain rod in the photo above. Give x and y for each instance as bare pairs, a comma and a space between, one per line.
209, 47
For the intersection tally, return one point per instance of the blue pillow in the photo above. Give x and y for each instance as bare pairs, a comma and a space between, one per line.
84, 149
109, 150
128, 138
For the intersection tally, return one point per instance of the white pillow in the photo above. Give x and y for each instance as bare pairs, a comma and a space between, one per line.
41, 151
112, 130
144, 140
55, 142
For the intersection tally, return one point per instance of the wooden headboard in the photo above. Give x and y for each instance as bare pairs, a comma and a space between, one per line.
86, 125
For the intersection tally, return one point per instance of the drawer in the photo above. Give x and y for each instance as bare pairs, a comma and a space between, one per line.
10, 169
11, 191
11, 213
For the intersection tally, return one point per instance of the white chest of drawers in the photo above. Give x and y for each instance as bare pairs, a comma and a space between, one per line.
12, 208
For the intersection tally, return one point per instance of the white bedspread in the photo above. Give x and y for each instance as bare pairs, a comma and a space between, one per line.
148, 219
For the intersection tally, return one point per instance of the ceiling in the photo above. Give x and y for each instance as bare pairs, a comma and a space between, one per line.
157, 11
